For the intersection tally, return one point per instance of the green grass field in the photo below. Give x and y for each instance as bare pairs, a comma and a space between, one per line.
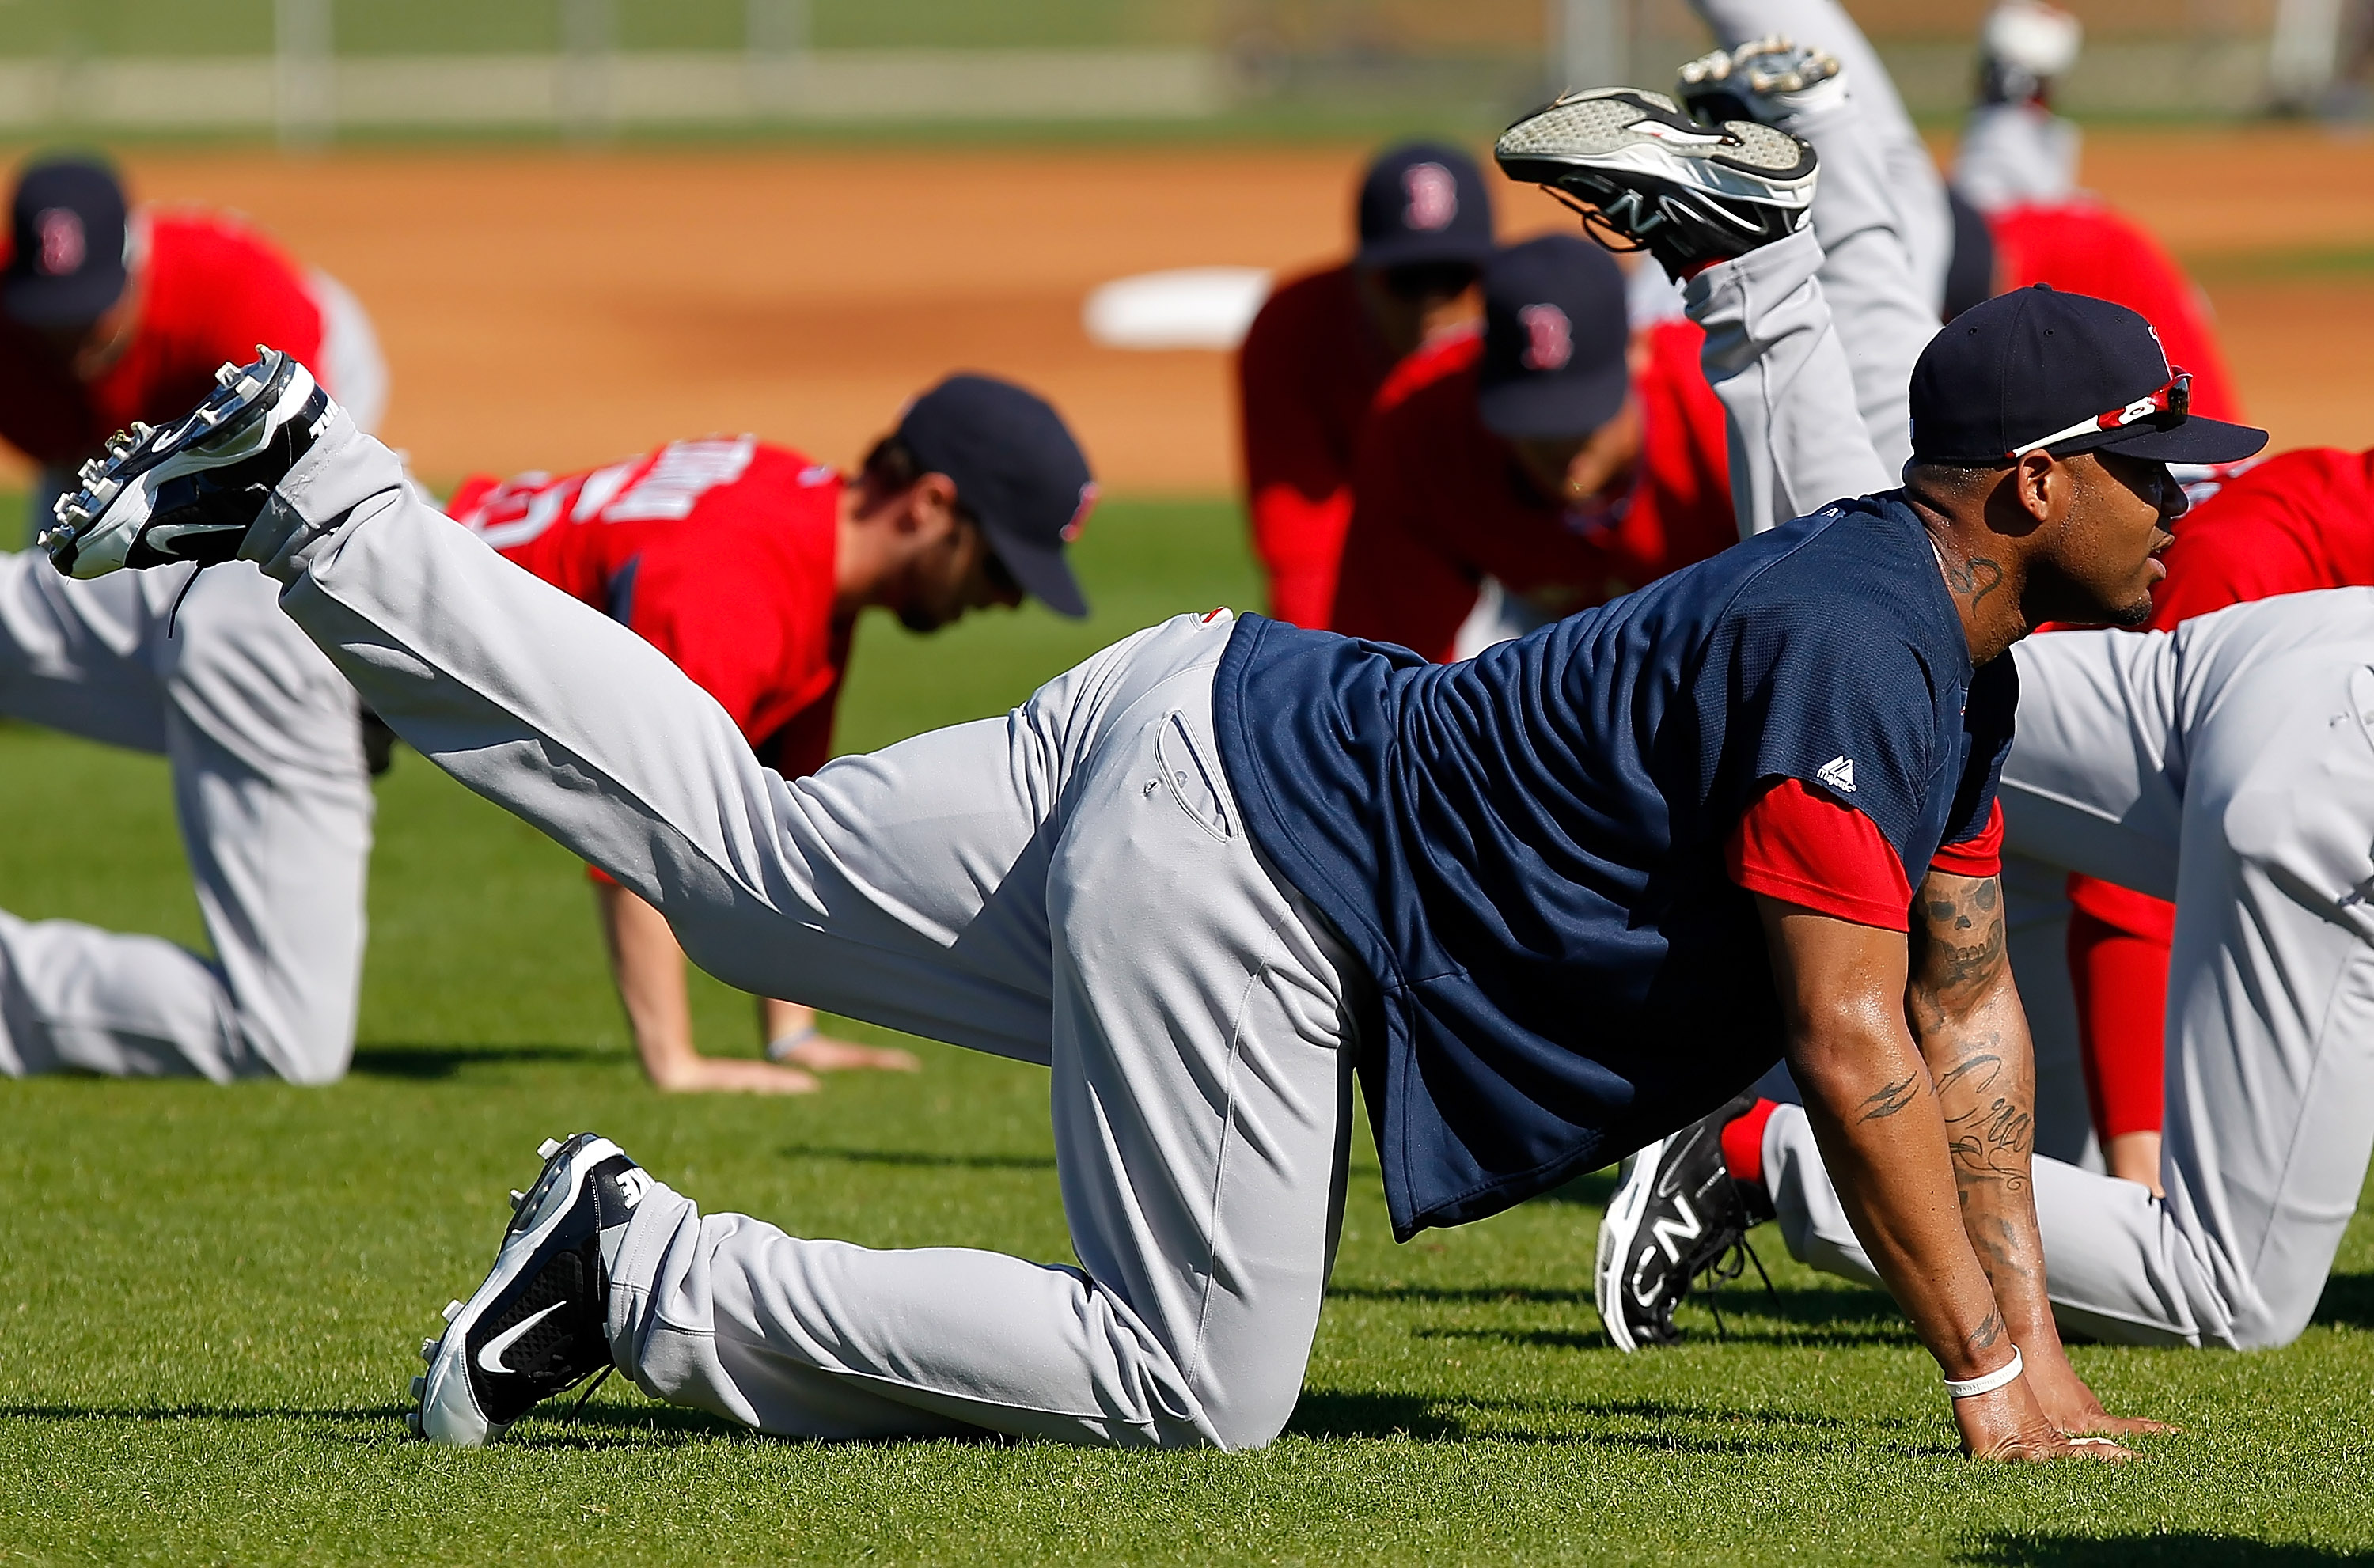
209, 1297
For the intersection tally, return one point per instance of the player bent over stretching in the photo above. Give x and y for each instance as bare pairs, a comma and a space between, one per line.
2226, 763
1202, 877
747, 565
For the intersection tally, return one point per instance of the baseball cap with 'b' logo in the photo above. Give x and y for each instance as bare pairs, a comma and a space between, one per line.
67, 228
1424, 203
1555, 335
2040, 370
1019, 473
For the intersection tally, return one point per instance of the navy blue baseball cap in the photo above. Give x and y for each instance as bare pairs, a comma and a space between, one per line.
1421, 203
2064, 372
1554, 335
67, 226
1019, 474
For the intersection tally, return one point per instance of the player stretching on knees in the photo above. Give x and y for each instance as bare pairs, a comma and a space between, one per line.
112, 313
747, 565
1203, 875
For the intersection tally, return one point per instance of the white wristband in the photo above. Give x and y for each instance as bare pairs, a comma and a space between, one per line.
1986, 1382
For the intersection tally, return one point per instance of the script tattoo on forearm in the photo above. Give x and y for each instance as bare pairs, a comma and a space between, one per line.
1988, 1133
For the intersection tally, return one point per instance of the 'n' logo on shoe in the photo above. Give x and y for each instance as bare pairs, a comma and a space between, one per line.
1689, 1227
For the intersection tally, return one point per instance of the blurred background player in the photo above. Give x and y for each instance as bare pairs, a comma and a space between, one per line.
1323, 344
2018, 169
110, 315
1555, 457
747, 565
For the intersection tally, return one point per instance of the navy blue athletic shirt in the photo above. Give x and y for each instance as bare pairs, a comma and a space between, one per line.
1527, 849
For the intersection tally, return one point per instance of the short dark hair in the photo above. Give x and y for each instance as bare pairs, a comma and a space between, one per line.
1964, 480
891, 466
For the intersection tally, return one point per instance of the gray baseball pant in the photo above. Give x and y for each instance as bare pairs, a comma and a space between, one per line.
275, 810
1880, 216
1069, 884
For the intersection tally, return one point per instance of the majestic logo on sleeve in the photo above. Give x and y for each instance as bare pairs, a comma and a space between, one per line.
1433, 197
1549, 338
1839, 773
63, 247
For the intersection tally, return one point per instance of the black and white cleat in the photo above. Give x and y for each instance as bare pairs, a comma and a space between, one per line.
189, 491
1676, 1216
1654, 178
537, 1326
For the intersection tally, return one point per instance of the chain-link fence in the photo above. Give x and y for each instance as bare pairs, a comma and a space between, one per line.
311, 69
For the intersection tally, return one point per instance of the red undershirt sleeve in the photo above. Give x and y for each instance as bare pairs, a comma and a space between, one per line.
1807, 848
1979, 855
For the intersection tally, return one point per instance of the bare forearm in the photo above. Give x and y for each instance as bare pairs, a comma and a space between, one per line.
1966, 1015
648, 967
1876, 1115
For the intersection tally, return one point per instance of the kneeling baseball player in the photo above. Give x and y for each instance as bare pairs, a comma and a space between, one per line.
747, 565
1551, 903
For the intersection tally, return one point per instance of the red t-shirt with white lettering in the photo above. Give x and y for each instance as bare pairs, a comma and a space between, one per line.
1310, 365
719, 553
212, 290
1439, 502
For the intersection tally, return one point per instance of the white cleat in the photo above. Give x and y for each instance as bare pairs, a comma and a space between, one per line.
537, 1326
191, 491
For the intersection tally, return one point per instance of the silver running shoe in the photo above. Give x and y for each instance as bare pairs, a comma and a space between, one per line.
1652, 178
190, 490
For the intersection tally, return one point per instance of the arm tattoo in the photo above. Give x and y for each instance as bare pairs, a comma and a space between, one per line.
1963, 941
1892, 1098
1989, 1137
1984, 1335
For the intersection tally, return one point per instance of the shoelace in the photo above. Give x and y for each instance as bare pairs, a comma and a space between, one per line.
602, 1375
1729, 1266
175, 614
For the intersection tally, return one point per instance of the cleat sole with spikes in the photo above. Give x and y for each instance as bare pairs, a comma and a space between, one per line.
189, 491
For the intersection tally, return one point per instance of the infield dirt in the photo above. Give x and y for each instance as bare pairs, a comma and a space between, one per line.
555, 308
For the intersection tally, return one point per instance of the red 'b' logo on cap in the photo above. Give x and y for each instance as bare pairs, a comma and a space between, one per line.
1433, 196
60, 230
1550, 341
1080, 514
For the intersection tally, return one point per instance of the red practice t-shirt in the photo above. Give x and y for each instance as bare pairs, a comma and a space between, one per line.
1440, 503
1310, 365
2297, 522
212, 290
1804, 847
719, 553
2083, 246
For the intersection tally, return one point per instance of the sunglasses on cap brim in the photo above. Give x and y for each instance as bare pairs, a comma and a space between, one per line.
2175, 398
